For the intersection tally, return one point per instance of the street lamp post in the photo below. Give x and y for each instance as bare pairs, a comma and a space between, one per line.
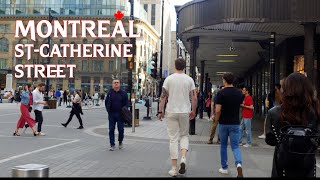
48, 58
161, 56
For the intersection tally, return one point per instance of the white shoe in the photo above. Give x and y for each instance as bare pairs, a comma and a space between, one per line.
41, 134
173, 172
223, 171
183, 163
239, 170
262, 136
247, 145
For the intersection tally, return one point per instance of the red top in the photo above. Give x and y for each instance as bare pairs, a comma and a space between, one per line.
247, 113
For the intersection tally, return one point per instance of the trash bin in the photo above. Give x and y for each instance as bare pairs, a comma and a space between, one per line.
52, 103
136, 117
30, 170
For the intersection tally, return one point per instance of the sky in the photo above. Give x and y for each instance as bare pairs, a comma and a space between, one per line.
173, 12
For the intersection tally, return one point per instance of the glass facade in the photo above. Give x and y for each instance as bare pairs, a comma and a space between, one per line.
64, 7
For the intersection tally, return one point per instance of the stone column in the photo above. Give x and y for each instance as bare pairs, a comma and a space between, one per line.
91, 86
77, 83
309, 30
65, 84
9, 83
101, 85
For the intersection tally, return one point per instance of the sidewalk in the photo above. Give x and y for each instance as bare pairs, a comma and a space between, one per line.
157, 130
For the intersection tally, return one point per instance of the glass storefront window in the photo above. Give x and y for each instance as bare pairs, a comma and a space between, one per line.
298, 64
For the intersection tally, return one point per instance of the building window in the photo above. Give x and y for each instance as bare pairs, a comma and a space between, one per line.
153, 15
4, 28
85, 65
97, 66
145, 6
3, 63
111, 64
4, 45
85, 79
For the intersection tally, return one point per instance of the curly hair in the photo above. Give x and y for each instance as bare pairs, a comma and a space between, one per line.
298, 100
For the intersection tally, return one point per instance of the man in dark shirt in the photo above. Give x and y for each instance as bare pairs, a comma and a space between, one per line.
115, 101
227, 114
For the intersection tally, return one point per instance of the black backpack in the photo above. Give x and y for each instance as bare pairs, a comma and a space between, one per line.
297, 148
17, 97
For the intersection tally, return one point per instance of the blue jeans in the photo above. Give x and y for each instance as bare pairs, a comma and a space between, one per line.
245, 124
114, 118
224, 132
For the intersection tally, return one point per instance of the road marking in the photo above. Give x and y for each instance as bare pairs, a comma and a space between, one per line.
45, 138
9, 114
36, 151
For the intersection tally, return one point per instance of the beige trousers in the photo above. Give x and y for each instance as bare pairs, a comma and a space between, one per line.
178, 127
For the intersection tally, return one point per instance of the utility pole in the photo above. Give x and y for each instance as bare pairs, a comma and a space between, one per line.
132, 41
161, 54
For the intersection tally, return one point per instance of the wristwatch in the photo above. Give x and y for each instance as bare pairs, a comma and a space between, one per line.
159, 112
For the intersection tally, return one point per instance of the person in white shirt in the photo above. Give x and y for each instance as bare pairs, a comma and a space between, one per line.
38, 104
178, 88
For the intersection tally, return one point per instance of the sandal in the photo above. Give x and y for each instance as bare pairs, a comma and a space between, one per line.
16, 133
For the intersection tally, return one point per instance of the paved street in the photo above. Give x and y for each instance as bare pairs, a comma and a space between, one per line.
70, 152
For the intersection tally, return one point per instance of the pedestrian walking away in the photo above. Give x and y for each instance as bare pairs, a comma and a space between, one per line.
58, 96
65, 97
269, 104
214, 120
177, 90
26, 101
247, 115
116, 100
76, 109
227, 114
294, 156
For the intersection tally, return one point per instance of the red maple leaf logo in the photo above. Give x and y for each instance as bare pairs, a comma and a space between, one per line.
118, 15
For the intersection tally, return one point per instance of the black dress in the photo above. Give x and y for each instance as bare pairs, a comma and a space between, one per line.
273, 124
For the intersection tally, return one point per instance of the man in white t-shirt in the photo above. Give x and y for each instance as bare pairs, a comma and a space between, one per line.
178, 88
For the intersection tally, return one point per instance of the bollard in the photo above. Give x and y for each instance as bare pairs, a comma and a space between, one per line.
133, 101
30, 170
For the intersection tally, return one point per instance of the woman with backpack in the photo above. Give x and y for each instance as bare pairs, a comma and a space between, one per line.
299, 107
26, 102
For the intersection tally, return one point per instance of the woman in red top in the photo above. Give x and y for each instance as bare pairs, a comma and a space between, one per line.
26, 102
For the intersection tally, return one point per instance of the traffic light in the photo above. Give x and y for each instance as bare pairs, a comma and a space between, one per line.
154, 65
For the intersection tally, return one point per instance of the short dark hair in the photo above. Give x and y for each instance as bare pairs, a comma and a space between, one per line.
41, 84
180, 64
249, 89
229, 78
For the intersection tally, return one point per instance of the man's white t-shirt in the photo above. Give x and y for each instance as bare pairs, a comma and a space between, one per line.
179, 87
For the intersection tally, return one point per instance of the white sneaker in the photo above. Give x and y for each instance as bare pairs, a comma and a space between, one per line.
173, 172
41, 134
262, 136
183, 163
239, 170
247, 145
223, 171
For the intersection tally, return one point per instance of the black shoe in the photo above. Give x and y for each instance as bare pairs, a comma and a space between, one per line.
80, 127
65, 125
